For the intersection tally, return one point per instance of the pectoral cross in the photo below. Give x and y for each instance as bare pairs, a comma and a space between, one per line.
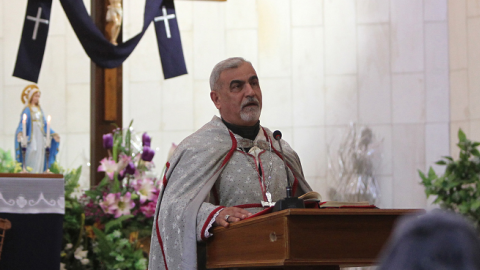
269, 202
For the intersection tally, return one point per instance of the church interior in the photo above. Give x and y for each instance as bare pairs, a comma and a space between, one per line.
406, 69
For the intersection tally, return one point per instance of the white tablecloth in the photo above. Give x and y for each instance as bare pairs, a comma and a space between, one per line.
32, 195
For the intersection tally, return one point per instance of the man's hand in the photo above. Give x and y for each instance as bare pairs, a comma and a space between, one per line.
235, 214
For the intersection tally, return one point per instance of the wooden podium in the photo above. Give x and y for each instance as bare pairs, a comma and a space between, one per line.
305, 239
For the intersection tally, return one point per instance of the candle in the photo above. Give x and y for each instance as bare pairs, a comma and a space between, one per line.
49, 118
24, 130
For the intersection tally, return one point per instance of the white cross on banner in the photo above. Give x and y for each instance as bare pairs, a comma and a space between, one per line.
165, 18
37, 21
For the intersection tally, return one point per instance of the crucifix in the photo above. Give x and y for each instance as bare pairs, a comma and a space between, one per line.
106, 91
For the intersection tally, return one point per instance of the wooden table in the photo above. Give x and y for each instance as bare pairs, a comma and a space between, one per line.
305, 239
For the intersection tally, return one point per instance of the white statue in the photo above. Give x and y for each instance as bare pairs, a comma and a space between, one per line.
33, 133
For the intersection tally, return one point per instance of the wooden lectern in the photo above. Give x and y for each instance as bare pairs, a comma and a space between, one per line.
305, 239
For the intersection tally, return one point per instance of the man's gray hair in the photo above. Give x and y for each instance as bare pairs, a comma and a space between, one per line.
229, 63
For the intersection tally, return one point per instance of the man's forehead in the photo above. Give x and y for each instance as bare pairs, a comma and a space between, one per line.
243, 73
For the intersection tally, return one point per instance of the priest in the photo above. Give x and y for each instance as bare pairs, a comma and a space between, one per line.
227, 171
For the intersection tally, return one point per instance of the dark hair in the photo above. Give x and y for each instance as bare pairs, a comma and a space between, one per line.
438, 240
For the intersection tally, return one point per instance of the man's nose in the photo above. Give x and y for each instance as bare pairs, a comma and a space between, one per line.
249, 90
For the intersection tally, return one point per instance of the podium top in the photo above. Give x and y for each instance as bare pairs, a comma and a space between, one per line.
325, 212
30, 175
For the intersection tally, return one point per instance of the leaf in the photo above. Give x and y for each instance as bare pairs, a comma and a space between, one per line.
461, 135
116, 222
431, 174
447, 157
441, 162
475, 205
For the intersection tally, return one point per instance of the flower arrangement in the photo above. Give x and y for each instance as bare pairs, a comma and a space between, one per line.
109, 226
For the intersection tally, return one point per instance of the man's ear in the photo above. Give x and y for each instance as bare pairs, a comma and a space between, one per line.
215, 98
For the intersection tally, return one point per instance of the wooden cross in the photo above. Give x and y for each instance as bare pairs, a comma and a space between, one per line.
105, 96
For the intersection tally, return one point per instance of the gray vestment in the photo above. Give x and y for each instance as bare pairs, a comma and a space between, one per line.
209, 170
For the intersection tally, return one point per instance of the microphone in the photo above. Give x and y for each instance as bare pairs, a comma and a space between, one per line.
289, 201
278, 135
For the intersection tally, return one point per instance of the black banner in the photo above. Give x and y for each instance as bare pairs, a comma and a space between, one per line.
99, 49
34, 37
169, 42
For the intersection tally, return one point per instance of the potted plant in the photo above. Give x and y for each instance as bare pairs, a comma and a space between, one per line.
458, 189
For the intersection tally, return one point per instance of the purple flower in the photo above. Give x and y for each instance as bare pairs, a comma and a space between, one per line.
146, 139
130, 169
121, 175
147, 153
108, 141
148, 209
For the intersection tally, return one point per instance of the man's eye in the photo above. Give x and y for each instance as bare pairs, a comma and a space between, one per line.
236, 87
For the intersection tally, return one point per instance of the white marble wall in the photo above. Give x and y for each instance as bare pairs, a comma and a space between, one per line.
64, 82
464, 44
322, 64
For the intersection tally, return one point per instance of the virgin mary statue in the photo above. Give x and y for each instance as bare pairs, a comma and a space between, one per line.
36, 129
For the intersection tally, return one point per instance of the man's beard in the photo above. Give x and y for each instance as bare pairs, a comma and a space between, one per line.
251, 113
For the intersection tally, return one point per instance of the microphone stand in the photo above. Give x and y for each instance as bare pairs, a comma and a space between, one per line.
289, 201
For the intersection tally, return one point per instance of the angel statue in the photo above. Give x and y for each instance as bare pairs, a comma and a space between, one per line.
354, 170
32, 133
114, 19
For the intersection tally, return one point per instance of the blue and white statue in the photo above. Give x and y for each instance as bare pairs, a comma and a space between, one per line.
35, 136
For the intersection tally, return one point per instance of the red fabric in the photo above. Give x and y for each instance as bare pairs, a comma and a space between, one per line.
312, 204
230, 153
263, 212
161, 243
205, 225
165, 175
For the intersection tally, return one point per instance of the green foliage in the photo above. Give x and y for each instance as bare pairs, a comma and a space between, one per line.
8, 164
458, 189
73, 220
116, 252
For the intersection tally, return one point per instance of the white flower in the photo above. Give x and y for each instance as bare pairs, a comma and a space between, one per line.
84, 261
62, 266
80, 253
68, 246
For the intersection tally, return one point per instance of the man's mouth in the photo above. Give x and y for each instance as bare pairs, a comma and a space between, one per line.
250, 104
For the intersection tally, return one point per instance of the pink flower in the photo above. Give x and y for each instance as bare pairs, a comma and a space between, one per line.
145, 188
110, 203
117, 205
108, 166
148, 209
125, 204
123, 161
